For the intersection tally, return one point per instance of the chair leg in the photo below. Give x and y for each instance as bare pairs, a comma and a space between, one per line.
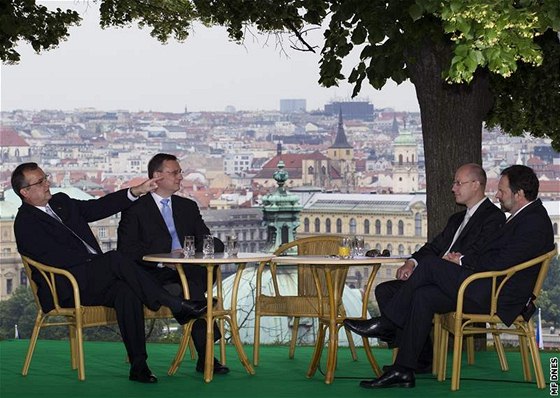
457, 352
256, 338
185, 340
470, 349
80, 352
319, 344
222, 341
293, 341
500, 351
351, 344
535, 356
524, 351
32, 342
435, 343
442, 352
372, 361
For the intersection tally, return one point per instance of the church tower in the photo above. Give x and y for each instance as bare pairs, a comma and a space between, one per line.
342, 154
280, 212
405, 163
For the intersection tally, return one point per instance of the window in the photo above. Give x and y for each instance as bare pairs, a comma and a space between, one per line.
339, 225
102, 231
417, 224
366, 227
401, 227
353, 226
9, 286
317, 225
328, 225
390, 248
401, 250
377, 227
306, 225
389, 227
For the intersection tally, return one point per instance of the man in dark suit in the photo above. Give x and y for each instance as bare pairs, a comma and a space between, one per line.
54, 230
464, 232
433, 286
143, 230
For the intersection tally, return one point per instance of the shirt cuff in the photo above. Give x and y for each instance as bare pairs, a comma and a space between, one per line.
131, 197
414, 261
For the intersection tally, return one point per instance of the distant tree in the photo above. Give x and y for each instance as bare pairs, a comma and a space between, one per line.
549, 300
470, 60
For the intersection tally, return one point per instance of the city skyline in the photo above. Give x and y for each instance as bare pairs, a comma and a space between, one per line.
128, 69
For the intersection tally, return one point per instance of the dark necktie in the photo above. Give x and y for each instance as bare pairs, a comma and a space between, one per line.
168, 218
51, 213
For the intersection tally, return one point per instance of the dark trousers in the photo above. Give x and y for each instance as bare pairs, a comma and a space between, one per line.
197, 280
115, 281
384, 292
432, 288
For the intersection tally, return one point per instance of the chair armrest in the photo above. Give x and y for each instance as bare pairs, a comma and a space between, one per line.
49, 274
507, 274
260, 271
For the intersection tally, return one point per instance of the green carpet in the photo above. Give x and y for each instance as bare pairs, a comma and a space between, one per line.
277, 376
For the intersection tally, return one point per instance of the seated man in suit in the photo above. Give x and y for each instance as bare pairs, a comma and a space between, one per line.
54, 230
432, 288
464, 232
143, 230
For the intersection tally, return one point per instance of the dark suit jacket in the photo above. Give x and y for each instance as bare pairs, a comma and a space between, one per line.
528, 235
483, 223
142, 229
46, 240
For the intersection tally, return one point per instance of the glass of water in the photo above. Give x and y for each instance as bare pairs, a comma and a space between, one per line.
359, 246
208, 245
232, 247
189, 247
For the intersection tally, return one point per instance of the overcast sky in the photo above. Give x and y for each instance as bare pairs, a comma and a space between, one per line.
128, 69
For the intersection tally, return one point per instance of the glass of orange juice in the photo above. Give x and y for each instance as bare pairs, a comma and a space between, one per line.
344, 248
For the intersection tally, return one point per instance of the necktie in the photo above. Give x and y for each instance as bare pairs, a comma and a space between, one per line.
458, 232
168, 218
51, 213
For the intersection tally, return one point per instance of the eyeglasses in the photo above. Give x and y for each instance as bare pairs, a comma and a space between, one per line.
461, 183
174, 173
41, 181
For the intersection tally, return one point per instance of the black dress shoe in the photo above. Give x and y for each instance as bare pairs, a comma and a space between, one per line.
374, 327
392, 378
190, 309
219, 369
142, 375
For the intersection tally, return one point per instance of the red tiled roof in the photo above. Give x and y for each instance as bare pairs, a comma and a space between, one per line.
10, 137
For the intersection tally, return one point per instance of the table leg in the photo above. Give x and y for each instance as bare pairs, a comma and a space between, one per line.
209, 355
233, 321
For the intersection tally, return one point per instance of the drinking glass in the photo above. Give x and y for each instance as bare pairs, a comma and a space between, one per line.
189, 247
232, 247
344, 248
359, 246
208, 245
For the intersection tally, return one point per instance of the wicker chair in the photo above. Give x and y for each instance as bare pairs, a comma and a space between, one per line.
462, 324
76, 318
305, 304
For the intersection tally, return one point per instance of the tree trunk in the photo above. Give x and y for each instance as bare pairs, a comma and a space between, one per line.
452, 116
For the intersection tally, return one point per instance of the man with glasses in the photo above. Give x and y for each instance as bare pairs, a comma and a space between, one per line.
54, 230
433, 286
158, 223
465, 232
